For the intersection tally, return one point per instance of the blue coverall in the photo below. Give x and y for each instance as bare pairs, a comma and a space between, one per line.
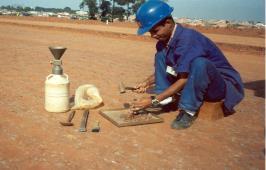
210, 75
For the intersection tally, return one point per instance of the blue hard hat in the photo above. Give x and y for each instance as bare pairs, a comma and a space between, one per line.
151, 13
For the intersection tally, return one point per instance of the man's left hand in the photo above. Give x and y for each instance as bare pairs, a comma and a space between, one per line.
141, 104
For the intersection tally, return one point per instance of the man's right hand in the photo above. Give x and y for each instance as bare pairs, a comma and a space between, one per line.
141, 87
146, 84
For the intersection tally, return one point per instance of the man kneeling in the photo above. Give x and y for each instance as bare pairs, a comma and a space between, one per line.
186, 62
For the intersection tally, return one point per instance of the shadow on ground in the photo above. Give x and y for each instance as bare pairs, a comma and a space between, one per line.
258, 87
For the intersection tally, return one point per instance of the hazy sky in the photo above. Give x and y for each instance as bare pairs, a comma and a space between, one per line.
247, 10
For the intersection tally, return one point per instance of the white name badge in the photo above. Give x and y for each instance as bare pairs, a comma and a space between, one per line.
171, 71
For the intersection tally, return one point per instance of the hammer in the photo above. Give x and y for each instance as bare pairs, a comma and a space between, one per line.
96, 127
70, 117
83, 123
123, 88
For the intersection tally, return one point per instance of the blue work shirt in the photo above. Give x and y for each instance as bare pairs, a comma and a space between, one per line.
188, 44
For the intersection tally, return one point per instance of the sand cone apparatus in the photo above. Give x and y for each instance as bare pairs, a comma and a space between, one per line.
57, 84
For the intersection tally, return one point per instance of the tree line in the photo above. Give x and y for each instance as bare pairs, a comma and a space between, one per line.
110, 9
37, 8
105, 9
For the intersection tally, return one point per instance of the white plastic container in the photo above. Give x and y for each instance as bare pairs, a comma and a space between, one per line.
57, 93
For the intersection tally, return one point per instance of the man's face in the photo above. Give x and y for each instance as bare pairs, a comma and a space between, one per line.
162, 32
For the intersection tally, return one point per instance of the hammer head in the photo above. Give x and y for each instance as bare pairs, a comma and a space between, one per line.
66, 123
122, 88
96, 127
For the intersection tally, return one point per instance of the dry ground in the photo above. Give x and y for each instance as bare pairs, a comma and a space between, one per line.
32, 138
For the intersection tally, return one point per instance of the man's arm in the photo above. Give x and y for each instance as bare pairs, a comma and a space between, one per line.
148, 82
174, 88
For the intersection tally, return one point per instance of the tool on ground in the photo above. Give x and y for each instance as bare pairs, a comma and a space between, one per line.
69, 119
96, 127
83, 123
123, 88
57, 84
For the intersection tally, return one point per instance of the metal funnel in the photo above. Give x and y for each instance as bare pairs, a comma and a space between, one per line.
57, 52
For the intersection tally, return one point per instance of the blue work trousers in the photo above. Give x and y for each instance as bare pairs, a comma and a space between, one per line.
204, 83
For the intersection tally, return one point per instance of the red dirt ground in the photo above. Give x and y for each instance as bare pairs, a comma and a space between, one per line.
32, 138
228, 31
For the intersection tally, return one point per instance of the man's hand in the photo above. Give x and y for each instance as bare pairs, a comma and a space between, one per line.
141, 87
141, 104
146, 84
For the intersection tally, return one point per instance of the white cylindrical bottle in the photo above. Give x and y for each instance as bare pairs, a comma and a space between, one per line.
57, 93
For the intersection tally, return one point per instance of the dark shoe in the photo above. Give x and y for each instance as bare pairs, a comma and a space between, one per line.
183, 120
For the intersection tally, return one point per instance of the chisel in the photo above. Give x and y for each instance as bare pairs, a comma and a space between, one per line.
83, 123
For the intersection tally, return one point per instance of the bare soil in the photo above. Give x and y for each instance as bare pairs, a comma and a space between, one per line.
249, 32
32, 138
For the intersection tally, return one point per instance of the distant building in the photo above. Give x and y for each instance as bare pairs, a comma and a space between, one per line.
131, 18
197, 22
34, 13
245, 24
221, 24
63, 15
260, 25
183, 20
82, 13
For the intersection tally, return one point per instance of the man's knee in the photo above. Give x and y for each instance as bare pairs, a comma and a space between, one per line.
199, 62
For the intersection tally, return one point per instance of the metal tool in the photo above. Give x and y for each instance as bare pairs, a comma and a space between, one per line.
83, 123
69, 119
123, 88
96, 127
